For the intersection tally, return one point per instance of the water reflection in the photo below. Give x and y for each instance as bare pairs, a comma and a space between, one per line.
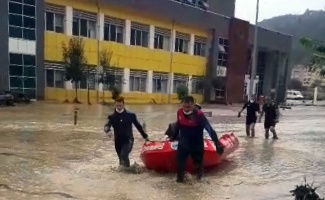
42, 151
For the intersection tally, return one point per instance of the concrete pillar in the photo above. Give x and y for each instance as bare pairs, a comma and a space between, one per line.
68, 20
189, 84
151, 37
68, 85
127, 32
172, 40
100, 87
277, 78
170, 85
100, 26
270, 65
149, 84
191, 45
126, 80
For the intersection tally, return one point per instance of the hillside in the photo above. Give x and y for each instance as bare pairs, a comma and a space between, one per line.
310, 24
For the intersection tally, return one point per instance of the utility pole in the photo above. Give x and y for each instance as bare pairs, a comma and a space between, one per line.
254, 55
172, 48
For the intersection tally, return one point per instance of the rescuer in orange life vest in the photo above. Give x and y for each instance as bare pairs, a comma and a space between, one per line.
172, 126
189, 133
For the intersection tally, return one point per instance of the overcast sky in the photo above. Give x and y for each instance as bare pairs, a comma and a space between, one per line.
245, 9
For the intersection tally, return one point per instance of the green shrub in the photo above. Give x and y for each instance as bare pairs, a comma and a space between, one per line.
182, 91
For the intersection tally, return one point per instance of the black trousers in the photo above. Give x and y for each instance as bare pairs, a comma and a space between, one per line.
186, 150
123, 149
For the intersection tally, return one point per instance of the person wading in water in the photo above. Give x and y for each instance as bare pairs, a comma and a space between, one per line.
252, 108
272, 115
121, 120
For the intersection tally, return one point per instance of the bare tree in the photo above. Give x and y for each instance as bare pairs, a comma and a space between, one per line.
75, 61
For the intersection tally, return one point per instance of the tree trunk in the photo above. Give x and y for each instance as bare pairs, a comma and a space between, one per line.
103, 90
76, 94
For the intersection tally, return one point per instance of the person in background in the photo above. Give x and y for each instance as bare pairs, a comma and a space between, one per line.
272, 115
189, 133
252, 108
121, 120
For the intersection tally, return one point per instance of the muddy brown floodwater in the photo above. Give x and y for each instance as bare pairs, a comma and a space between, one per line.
43, 156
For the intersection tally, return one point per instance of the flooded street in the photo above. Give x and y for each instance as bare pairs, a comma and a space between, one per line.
44, 156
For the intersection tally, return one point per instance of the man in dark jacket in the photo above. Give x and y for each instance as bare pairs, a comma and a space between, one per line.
252, 107
121, 120
189, 133
272, 115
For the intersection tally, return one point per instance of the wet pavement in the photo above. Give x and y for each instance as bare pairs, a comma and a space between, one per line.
44, 156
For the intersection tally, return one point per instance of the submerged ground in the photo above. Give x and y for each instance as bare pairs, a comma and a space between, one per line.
43, 156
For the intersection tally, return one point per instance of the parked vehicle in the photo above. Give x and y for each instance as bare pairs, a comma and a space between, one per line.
294, 95
6, 99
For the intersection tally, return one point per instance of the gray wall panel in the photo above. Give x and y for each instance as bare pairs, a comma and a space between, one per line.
4, 45
40, 21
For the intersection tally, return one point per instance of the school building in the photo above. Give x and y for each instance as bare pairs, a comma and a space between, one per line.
156, 46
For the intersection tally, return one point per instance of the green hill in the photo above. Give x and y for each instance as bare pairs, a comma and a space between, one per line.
310, 24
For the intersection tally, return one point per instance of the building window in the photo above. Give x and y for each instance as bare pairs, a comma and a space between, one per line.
199, 46
162, 38
84, 24
138, 81
22, 72
197, 84
22, 22
113, 29
117, 75
55, 18
179, 80
159, 82
181, 42
139, 34
223, 52
55, 78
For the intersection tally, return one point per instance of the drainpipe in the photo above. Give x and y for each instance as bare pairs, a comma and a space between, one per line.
98, 52
255, 54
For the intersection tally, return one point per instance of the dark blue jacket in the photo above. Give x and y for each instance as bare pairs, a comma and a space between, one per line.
122, 124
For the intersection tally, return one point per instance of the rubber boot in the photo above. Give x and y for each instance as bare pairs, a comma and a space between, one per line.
199, 172
180, 177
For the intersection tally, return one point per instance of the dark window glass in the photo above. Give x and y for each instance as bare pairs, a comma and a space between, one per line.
50, 78
15, 32
16, 59
29, 34
15, 8
16, 70
29, 60
83, 27
29, 11
144, 39
16, 82
132, 37
29, 71
15, 20
20, 1
30, 2
31, 93
112, 33
83, 82
29, 22
29, 83
17, 90
75, 27
138, 37
106, 32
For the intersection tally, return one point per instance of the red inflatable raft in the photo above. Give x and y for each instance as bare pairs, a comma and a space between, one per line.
161, 155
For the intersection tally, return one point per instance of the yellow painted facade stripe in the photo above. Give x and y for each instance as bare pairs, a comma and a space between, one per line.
133, 57
124, 13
